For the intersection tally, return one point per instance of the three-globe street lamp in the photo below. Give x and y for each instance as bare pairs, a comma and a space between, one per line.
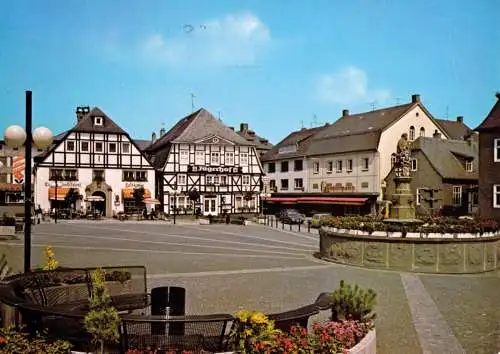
15, 137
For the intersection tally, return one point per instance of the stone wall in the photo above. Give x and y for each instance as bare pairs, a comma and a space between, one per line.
423, 255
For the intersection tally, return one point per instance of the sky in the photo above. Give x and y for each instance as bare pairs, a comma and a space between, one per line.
277, 65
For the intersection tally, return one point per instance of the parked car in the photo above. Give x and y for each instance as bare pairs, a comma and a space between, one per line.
291, 216
317, 218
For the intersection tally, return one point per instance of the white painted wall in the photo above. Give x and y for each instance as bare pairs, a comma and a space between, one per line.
291, 175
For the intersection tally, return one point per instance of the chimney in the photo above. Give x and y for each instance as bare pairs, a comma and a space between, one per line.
162, 132
153, 137
415, 98
437, 134
460, 119
345, 112
243, 127
232, 128
81, 111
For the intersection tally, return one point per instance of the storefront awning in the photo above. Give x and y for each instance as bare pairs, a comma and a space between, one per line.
11, 187
332, 200
61, 193
128, 193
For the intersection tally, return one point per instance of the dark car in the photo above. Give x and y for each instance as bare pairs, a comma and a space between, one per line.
291, 216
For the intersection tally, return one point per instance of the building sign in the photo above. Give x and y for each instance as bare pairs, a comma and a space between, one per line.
213, 169
134, 185
69, 184
18, 169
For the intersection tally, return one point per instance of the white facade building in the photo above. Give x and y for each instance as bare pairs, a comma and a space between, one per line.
200, 153
97, 159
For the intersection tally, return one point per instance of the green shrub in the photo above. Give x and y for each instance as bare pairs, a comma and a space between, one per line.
13, 342
353, 303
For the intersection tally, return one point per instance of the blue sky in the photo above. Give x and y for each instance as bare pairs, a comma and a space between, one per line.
273, 64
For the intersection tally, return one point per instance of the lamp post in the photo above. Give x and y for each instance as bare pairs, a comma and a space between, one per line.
56, 177
15, 137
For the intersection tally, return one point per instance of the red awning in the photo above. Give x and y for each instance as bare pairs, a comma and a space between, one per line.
11, 187
332, 200
282, 199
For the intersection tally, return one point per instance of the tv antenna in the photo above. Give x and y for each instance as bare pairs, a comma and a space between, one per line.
192, 101
373, 104
301, 124
219, 116
315, 120
447, 111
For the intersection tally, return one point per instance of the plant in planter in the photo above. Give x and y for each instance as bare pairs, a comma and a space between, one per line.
102, 321
252, 331
13, 342
50, 259
353, 303
117, 275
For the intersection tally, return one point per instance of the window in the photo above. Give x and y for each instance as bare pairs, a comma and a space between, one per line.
365, 163
457, 195
284, 166
214, 158
349, 165
85, 146
229, 158
364, 184
181, 179
184, 157
413, 164
469, 166
98, 175
496, 150
126, 148
243, 158
411, 136
496, 196
298, 183
246, 180
199, 158
98, 147
223, 180
132, 176
271, 167
422, 132
209, 179
70, 145
315, 186
272, 184
216, 179
418, 196
112, 147
393, 160
316, 167
338, 166
284, 184
297, 165
98, 121
329, 167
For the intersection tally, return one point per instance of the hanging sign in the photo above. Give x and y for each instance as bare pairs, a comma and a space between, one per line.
18, 168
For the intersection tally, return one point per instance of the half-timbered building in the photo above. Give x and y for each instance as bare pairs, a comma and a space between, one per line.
98, 159
201, 153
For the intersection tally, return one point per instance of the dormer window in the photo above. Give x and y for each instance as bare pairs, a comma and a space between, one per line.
469, 166
98, 121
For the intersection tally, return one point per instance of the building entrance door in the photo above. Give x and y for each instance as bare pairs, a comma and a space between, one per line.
209, 206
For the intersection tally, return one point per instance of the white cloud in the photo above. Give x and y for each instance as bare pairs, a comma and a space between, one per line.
234, 40
348, 85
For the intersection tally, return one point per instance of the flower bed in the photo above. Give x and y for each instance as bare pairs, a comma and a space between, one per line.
362, 225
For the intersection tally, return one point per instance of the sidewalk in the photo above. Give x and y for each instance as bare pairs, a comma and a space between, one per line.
290, 227
115, 221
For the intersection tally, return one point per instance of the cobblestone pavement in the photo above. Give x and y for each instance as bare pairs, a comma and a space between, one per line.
226, 267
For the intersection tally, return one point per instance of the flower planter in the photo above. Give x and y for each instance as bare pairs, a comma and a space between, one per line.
379, 233
413, 234
7, 230
204, 221
368, 344
247, 222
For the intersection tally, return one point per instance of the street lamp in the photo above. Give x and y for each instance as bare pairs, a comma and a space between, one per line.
15, 137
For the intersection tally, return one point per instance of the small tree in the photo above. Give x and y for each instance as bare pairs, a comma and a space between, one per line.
139, 196
72, 196
102, 321
194, 196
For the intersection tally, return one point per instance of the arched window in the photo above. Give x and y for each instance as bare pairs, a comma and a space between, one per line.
412, 133
422, 131
393, 159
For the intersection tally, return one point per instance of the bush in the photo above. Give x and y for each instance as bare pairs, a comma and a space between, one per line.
353, 303
13, 342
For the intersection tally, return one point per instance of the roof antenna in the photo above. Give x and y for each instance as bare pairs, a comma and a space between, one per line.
218, 116
192, 101
447, 111
302, 124
373, 105
315, 120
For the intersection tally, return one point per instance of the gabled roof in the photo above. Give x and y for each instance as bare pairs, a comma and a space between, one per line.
142, 144
454, 129
252, 138
492, 121
195, 126
444, 155
298, 138
86, 124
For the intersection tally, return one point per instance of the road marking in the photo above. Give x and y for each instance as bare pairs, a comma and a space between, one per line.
239, 271
251, 236
135, 250
196, 238
433, 332
164, 243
